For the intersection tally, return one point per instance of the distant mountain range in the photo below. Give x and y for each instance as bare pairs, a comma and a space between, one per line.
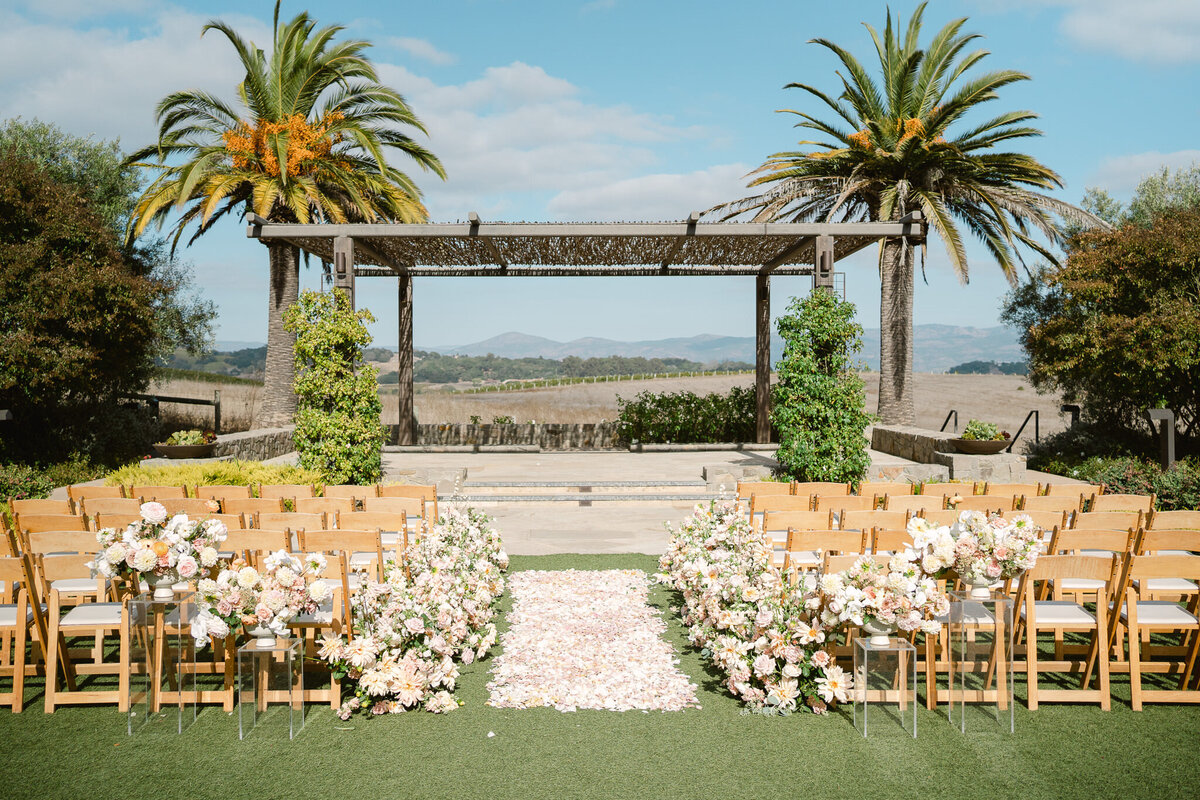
936, 348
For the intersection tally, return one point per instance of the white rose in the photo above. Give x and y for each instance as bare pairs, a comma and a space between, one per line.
187, 567
319, 591
115, 553
247, 577
154, 513
209, 556
144, 559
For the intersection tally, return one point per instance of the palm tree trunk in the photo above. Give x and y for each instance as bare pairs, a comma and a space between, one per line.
278, 405
895, 322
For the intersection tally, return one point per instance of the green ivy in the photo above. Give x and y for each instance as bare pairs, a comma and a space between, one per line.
338, 432
818, 402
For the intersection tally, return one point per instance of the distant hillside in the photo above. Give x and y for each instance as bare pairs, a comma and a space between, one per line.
936, 348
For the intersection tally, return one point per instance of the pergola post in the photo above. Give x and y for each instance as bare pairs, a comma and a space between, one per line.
343, 266
762, 355
407, 432
823, 264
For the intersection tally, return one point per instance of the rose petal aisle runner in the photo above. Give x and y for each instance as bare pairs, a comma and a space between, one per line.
586, 639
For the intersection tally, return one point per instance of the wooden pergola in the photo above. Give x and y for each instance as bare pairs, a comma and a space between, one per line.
478, 249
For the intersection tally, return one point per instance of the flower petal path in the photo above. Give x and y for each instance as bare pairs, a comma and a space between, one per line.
587, 639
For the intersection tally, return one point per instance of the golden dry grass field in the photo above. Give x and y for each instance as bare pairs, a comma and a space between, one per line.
1004, 399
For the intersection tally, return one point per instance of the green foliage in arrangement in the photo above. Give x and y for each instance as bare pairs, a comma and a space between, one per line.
216, 473
1117, 327
688, 418
819, 400
338, 432
980, 431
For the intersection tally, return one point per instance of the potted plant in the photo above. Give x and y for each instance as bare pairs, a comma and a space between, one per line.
188, 444
981, 438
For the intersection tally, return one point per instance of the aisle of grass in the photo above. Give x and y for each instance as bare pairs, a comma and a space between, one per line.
715, 752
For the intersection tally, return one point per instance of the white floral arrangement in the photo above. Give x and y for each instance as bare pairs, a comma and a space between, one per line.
174, 547
241, 595
898, 594
766, 637
977, 547
430, 615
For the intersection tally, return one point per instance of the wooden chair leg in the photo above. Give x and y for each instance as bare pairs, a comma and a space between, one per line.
52, 662
124, 679
1135, 667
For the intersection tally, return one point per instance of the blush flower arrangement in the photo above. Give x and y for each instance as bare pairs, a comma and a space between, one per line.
162, 549
414, 630
898, 594
767, 638
266, 598
979, 548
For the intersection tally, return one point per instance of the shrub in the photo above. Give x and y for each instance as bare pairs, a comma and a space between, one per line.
338, 432
21, 481
217, 473
1176, 488
686, 417
819, 400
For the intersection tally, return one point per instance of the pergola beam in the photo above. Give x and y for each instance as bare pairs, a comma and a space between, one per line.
783, 255
489, 244
692, 220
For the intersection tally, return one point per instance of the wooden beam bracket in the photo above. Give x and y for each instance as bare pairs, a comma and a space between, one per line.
488, 243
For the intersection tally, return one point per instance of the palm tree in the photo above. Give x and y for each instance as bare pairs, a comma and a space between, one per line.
306, 144
891, 152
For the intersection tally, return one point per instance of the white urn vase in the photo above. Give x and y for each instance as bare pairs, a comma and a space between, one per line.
879, 632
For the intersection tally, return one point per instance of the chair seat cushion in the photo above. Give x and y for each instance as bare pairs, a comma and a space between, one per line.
8, 615
389, 538
1160, 613
806, 557
1167, 585
95, 614
76, 585
1061, 612
1081, 585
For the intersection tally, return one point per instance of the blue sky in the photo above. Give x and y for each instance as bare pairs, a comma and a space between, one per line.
616, 110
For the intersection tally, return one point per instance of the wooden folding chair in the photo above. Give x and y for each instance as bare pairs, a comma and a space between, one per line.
1168, 542
1175, 520
79, 492
886, 541
356, 492
880, 488
912, 503
1107, 520
90, 507
363, 549
231, 521
88, 619
115, 521
747, 488
61, 507
839, 503
1072, 489
994, 504
251, 506
427, 492
147, 493
1142, 503
27, 523
939, 516
16, 615
324, 505
808, 548
760, 504
219, 492
412, 506
1141, 617
948, 489
252, 543
393, 526
1065, 503
878, 518
1038, 615
285, 491
335, 617
827, 488
1002, 489
290, 521
194, 507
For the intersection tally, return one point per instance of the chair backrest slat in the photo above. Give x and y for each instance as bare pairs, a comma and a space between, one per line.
827, 488
800, 520
881, 488
764, 503
412, 506
289, 520
912, 502
284, 491
49, 522
147, 492
325, 505
1122, 502
843, 502
222, 491
1112, 520
249, 506
92, 506
43, 542
747, 488
33, 506
864, 520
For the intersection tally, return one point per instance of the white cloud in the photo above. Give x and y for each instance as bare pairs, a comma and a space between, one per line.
107, 81
652, 197
1120, 175
1163, 31
424, 50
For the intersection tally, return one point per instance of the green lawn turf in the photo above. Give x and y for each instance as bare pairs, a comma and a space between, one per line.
1060, 751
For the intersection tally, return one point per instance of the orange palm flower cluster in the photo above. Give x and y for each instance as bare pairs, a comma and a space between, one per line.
860, 139
912, 127
252, 145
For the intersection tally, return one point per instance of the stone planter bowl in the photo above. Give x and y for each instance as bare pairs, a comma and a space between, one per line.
186, 450
980, 447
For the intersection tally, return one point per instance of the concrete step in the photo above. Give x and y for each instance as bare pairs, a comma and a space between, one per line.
573, 488
578, 499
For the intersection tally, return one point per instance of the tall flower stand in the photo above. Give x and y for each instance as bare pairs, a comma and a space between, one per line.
981, 640
269, 675
161, 691
885, 680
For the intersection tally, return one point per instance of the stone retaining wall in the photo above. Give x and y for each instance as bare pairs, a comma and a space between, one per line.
547, 436
911, 443
256, 445
936, 448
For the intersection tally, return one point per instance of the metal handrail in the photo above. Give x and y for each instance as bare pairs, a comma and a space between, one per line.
153, 401
1036, 429
953, 413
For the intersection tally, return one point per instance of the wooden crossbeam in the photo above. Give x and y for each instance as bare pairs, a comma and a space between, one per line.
692, 220
488, 243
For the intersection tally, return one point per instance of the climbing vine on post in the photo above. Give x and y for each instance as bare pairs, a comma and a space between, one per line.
819, 402
337, 419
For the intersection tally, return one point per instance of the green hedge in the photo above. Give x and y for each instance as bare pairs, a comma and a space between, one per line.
688, 418
25, 481
1176, 488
